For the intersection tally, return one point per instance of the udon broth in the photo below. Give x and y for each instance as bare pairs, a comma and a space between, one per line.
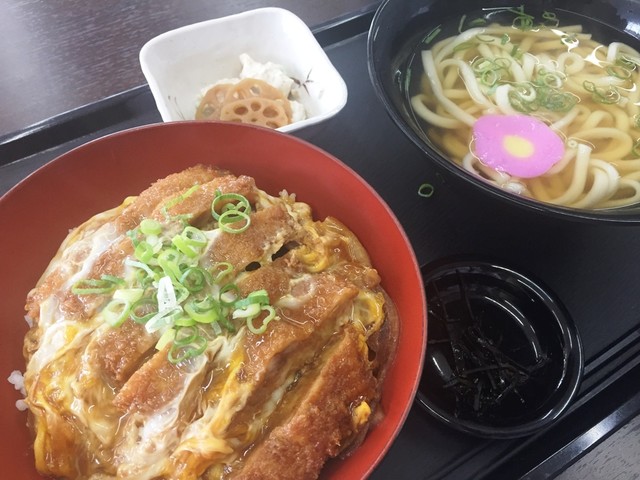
523, 68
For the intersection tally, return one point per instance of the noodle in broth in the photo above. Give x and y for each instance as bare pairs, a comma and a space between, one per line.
586, 92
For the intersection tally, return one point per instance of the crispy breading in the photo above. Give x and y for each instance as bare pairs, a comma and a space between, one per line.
321, 422
107, 399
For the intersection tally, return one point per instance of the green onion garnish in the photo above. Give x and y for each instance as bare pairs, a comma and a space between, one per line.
477, 22
426, 190
271, 314
180, 198
618, 71
169, 291
116, 312
143, 310
431, 35
462, 46
485, 38
550, 19
166, 338
627, 62
187, 343
608, 96
461, 24
149, 226
106, 284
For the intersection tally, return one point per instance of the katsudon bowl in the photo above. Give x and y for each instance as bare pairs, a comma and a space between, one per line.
38, 213
463, 123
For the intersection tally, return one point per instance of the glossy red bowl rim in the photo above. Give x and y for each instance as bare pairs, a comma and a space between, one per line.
99, 174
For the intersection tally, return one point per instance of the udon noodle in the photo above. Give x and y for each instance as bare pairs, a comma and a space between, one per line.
586, 92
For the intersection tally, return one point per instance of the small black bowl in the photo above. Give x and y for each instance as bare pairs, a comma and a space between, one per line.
399, 27
503, 357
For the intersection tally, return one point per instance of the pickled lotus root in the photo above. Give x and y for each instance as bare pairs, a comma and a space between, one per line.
212, 102
252, 87
268, 111
257, 111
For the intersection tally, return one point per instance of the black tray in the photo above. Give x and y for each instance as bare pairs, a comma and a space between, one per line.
593, 269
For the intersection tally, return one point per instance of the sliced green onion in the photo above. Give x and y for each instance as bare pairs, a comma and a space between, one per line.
205, 304
477, 22
431, 35
229, 294
87, 286
129, 294
551, 19
166, 294
190, 241
485, 38
182, 293
627, 62
609, 96
168, 260
163, 319
143, 310
550, 79
180, 198
515, 52
187, 343
221, 270
216, 328
461, 24
230, 218
113, 279
425, 190
149, 226
184, 246
523, 22
245, 312
481, 64
618, 72
261, 297
224, 321
133, 235
462, 46
186, 335
116, 312
194, 279
570, 39
142, 266
271, 314
194, 236
143, 251
489, 78
225, 202
199, 314
166, 338
505, 39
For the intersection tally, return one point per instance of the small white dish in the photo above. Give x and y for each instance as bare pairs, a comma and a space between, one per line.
180, 64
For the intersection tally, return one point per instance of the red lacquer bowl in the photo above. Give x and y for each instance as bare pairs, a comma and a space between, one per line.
37, 214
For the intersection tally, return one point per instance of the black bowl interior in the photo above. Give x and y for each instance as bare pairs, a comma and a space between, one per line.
400, 27
503, 358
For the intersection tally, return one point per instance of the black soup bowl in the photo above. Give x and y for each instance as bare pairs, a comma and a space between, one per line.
401, 29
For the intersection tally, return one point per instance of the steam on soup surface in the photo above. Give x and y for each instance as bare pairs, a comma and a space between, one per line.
535, 107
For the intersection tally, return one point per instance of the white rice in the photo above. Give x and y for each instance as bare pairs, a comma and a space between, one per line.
17, 380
